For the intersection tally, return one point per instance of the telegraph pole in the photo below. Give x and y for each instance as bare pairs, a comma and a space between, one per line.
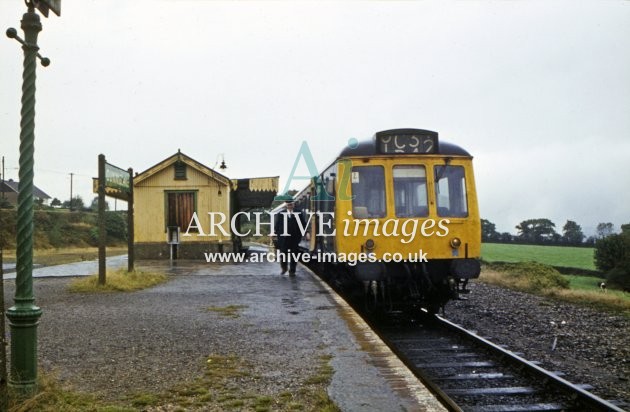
71, 175
3, 177
24, 315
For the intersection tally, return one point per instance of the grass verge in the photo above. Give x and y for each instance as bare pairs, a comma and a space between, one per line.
117, 281
51, 397
221, 388
528, 276
540, 279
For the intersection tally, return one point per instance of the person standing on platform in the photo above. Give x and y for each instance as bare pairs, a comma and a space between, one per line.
288, 235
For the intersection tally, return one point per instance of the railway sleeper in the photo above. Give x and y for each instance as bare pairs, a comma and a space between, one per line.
436, 365
532, 407
474, 376
510, 390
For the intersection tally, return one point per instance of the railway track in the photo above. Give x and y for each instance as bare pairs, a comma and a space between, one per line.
470, 373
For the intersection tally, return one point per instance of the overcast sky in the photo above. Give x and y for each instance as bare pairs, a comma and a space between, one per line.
538, 92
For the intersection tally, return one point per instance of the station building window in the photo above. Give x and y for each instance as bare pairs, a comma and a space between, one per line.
180, 170
450, 191
410, 191
368, 192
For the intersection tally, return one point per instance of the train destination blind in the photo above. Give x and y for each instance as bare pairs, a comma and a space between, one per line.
407, 143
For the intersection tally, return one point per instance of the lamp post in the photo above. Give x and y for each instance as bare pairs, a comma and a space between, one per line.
24, 315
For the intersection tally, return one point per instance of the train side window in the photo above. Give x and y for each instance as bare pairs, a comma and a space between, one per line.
368, 191
410, 191
450, 191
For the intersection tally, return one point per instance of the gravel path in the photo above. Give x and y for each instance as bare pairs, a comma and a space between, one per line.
287, 335
118, 344
593, 347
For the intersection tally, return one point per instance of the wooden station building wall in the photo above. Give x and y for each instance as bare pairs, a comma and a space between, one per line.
167, 194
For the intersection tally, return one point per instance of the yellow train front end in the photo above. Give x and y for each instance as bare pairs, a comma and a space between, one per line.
408, 208
406, 219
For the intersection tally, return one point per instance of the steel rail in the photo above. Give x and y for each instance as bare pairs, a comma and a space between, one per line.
580, 396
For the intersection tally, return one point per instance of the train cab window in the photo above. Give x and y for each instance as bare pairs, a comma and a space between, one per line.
368, 192
410, 191
450, 191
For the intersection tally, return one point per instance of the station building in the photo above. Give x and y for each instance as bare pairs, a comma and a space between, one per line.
166, 196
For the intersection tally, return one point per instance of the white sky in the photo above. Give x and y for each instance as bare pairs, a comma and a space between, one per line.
538, 92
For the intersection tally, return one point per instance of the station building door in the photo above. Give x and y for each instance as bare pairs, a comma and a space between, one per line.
181, 206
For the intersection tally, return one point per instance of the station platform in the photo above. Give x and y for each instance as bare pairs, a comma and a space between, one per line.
283, 324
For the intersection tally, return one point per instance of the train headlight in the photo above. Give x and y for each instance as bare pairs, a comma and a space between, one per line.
369, 244
456, 242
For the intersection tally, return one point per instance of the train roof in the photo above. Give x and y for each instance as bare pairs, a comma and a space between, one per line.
370, 148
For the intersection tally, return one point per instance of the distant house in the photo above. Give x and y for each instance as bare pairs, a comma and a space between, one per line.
167, 195
9, 191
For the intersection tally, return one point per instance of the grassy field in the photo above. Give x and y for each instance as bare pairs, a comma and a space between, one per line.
570, 257
582, 289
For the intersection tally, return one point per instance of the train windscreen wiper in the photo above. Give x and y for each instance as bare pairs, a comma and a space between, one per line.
441, 173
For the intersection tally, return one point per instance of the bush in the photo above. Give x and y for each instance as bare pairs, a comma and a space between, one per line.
609, 252
5, 204
116, 225
532, 276
61, 228
619, 278
612, 255
7, 229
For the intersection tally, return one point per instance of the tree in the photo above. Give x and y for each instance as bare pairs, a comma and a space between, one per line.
488, 231
55, 202
590, 241
94, 205
116, 225
537, 231
609, 252
506, 237
612, 255
572, 233
76, 203
605, 229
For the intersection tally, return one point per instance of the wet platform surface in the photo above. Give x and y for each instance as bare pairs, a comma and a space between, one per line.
289, 318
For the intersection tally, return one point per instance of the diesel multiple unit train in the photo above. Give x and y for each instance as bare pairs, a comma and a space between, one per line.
396, 219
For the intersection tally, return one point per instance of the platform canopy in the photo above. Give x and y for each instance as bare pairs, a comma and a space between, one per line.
252, 193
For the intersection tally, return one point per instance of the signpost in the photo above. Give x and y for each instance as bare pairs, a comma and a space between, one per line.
44, 5
24, 315
117, 183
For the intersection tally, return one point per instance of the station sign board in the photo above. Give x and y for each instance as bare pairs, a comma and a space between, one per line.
116, 182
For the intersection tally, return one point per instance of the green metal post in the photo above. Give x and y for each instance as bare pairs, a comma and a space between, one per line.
24, 315
3, 347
